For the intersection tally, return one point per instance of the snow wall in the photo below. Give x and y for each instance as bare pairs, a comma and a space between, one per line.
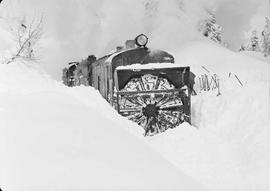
57, 138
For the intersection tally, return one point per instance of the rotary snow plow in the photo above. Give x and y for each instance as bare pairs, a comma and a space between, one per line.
156, 98
141, 83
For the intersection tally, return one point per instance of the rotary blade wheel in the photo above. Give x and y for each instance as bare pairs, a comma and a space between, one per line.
152, 103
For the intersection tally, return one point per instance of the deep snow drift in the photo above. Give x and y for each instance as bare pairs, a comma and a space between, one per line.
56, 138
230, 147
257, 55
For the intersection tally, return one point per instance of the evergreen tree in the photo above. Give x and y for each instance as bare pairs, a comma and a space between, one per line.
253, 44
266, 38
211, 29
215, 33
242, 48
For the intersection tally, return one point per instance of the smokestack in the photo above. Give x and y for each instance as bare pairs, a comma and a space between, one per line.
130, 44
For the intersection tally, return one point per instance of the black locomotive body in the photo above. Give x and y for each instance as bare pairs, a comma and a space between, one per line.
144, 85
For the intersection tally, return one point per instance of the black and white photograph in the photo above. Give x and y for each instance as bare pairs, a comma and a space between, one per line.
134, 95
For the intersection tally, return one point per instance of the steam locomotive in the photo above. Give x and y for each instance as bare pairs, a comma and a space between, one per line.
142, 84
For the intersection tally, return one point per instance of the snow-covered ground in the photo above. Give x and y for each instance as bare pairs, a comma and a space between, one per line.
230, 147
54, 137
57, 138
257, 55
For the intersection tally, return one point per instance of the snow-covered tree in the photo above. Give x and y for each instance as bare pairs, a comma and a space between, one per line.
27, 35
210, 28
151, 7
242, 47
266, 38
215, 34
253, 42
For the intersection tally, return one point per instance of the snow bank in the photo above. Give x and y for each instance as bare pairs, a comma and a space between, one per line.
53, 138
223, 62
257, 55
228, 148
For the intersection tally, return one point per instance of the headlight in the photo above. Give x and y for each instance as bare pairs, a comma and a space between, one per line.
141, 40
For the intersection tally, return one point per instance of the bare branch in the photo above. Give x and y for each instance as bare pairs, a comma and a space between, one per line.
27, 37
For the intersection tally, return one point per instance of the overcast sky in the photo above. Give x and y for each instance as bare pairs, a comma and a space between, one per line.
77, 28
235, 16
238, 17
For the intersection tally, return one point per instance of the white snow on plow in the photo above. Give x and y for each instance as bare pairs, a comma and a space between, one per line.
147, 66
